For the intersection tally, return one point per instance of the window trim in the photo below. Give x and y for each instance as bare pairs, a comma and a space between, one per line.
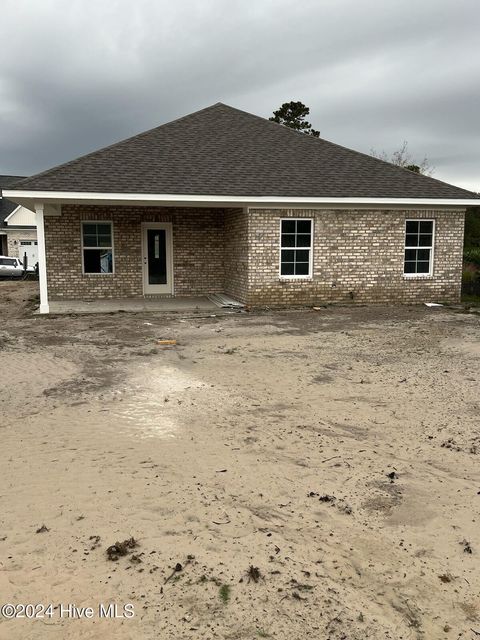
310, 249
88, 273
416, 276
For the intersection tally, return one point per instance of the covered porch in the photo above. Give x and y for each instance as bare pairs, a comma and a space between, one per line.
212, 305
103, 258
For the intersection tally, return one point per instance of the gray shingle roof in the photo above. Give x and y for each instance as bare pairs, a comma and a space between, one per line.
224, 151
7, 206
9, 181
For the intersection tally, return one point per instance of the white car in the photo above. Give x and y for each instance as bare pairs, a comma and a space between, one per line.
13, 268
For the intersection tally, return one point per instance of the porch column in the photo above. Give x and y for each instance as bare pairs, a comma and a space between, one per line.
42, 258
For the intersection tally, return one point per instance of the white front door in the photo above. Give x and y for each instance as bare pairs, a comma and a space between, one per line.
157, 257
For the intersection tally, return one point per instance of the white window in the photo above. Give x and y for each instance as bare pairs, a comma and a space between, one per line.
296, 248
97, 247
419, 237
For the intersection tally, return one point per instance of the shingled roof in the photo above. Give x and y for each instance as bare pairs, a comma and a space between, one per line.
7, 206
9, 181
221, 150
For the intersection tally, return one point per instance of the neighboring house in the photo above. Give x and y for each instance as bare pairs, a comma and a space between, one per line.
18, 233
225, 201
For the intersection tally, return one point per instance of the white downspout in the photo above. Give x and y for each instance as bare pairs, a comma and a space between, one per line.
42, 258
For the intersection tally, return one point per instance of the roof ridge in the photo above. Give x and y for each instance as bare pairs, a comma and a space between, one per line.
114, 144
347, 149
333, 168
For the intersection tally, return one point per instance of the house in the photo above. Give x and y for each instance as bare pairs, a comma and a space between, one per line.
225, 201
18, 233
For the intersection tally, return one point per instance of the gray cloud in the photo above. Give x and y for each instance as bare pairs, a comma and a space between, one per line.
79, 75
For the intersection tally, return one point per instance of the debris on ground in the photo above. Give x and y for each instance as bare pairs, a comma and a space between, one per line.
135, 559
179, 567
95, 541
121, 548
451, 444
445, 577
253, 573
167, 343
42, 529
467, 547
327, 498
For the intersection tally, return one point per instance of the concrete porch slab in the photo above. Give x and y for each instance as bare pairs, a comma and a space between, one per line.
135, 305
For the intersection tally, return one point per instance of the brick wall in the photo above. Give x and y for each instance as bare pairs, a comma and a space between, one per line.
13, 240
357, 255
198, 251
236, 254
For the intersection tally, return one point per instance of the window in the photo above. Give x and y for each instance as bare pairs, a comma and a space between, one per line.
296, 248
97, 247
418, 248
8, 262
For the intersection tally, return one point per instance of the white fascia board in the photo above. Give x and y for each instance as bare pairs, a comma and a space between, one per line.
12, 214
214, 200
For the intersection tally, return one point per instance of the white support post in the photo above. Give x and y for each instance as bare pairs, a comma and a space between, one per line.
42, 258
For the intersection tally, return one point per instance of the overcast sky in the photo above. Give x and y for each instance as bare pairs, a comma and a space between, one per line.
76, 75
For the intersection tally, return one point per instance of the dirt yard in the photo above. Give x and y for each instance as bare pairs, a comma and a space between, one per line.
301, 475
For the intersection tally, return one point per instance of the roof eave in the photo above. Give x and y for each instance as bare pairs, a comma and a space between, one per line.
29, 198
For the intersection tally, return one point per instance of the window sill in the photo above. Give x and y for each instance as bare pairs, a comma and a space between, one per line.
95, 275
294, 278
417, 276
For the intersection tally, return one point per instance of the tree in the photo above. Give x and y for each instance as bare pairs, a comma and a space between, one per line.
292, 114
403, 158
472, 227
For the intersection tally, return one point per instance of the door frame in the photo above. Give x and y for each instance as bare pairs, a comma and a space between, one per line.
158, 289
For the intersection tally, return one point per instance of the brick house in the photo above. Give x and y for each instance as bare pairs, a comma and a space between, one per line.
18, 234
222, 201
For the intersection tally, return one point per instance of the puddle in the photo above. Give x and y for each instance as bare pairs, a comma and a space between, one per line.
150, 399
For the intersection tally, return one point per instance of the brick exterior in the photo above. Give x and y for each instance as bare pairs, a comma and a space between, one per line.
198, 251
13, 240
357, 255
236, 254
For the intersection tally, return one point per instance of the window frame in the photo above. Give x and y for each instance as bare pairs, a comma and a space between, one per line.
431, 248
112, 248
309, 249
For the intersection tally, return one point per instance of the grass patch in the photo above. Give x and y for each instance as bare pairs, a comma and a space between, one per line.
224, 593
262, 634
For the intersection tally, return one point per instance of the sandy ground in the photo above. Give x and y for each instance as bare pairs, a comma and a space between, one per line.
337, 452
